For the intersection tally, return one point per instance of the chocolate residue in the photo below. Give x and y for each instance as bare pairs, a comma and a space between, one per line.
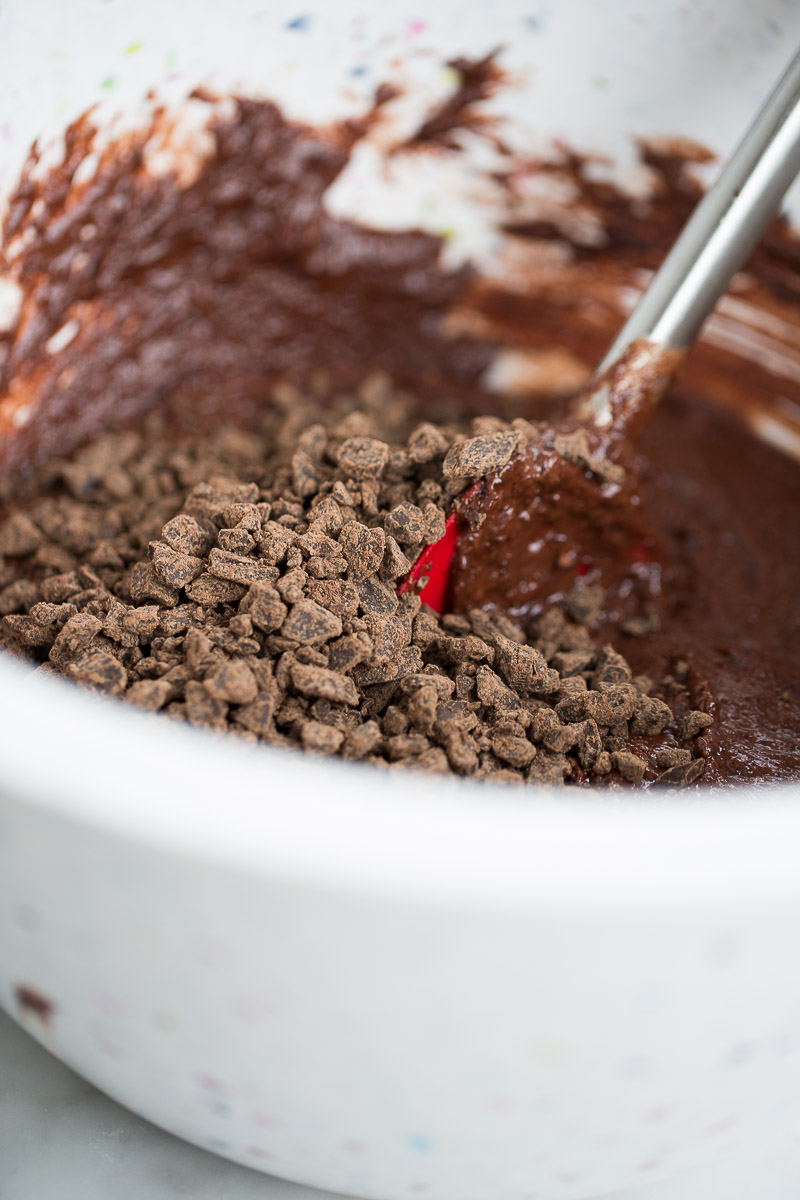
478, 80
31, 1002
575, 304
210, 292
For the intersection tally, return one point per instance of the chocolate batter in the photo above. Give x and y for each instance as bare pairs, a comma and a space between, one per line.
200, 296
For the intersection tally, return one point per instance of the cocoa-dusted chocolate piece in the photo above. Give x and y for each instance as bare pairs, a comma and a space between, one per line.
694, 723
19, 536
363, 457
250, 605
681, 774
479, 455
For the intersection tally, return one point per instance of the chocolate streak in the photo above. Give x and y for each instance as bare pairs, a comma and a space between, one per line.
202, 295
478, 80
207, 294
30, 1000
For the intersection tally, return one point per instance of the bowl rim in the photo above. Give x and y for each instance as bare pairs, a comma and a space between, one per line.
416, 838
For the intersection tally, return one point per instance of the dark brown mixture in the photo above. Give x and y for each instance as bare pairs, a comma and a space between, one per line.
193, 300
246, 581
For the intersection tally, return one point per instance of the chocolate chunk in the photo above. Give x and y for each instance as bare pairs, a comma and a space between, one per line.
672, 756
326, 516
173, 567
233, 682
310, 623
549, 769
19, 536
363, 548
694, 723
376, 598
292, 585
328, 685
362, 741
589, 744
517, 751
319, 567
575, 448
603, 764
239, 540
212, 498
613, 702
145, 585
406, 524
61, 587
493, 692
187, 535
316, 543
404, 746
480, 455
275, 543
238, 568
460, 750
404, 663
18, 595
23, 631
394, 721
524, 668
264, 607
337, 596
202, 708
99, 671
348, 652
395, 564
209, 589
74, 638
426, 443
389, 634
324, 739
584, 602
651, 717
560, 737
306, 475
257, 716
363, 457
572, 662
682, 774
150, 694
611, 668
630, 766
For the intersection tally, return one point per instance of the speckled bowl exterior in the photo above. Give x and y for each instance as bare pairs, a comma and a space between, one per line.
397, 987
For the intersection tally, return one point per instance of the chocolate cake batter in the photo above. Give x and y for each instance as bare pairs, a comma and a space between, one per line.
200, 296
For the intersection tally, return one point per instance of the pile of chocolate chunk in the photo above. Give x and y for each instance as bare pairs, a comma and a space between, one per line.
245, 581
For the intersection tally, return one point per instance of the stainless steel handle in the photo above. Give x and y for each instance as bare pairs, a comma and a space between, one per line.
723, 229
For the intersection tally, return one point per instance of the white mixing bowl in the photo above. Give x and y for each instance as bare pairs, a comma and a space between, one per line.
385, 985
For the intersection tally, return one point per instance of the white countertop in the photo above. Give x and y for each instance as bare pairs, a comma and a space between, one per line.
61, 1139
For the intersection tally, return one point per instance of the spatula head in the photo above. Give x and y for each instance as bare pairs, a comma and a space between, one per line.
564, 510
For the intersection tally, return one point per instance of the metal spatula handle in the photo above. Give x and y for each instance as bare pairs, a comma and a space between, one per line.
724, 228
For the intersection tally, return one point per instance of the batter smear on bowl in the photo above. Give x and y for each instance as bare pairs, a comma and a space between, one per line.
233, 560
